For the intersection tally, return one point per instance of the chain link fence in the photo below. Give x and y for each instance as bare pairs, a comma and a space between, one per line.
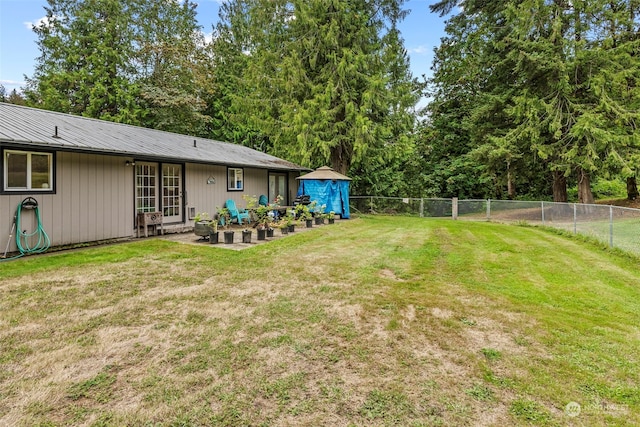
616, 226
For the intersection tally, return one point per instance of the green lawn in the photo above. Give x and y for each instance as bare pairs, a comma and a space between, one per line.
372, 321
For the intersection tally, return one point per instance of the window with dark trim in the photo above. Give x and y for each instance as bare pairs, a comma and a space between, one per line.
27, 171
235, 179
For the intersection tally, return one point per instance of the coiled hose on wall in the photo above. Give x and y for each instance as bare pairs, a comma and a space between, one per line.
34, 242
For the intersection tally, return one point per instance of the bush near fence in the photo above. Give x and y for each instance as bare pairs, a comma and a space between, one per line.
616, 226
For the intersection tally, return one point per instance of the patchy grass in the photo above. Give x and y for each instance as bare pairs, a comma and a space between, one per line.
373, 321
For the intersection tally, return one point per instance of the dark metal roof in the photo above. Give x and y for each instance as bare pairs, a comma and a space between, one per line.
33, 127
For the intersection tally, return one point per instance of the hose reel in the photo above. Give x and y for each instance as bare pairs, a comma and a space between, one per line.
34, 242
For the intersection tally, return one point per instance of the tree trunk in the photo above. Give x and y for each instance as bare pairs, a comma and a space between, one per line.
511, 185
340, 159
559, 187
584, 188
632, 188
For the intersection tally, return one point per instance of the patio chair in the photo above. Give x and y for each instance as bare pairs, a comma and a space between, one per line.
263, 201
236, 214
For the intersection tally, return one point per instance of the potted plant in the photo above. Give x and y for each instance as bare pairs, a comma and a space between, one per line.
202, 226
271, 217
290, 219
264, 226
261, 232
273, 214
213, 234
331, 216
225, 220
318, 214
246, 236
263, 216
285, 224
304, 214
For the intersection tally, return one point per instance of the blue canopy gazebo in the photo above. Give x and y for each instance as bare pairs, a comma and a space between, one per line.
327, 187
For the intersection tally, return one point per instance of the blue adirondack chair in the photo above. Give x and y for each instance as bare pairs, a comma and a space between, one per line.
262, 201
236, 214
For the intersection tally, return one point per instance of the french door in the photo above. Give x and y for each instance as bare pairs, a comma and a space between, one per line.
172, 192
159, 188
278, 187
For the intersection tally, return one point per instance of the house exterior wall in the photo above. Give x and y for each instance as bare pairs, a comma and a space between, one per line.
93, 201
94, 198
203, 197
257, 183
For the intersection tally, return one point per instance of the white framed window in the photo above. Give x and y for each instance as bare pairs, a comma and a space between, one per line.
235, 179
27, 171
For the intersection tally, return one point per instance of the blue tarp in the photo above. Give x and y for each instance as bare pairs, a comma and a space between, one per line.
334, 194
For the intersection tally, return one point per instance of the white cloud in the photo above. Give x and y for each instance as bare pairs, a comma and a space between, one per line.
11, 83
208, 37
44, 21
420, 50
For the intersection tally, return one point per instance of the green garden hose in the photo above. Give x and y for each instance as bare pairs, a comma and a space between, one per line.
27, 243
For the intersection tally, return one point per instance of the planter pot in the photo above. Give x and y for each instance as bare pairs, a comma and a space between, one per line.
228, 237
213, 237
292, 228
284, 230
202, 228
309, 223
262, 234
246, 236
331, 220
270, 232
319, 221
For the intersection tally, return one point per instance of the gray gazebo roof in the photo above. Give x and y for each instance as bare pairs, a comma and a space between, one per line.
30, 127
325, 172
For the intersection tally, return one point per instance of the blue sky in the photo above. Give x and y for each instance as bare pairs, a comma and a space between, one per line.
421, 31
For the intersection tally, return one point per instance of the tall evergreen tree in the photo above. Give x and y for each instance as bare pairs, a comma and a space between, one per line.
570, 102
132, 61
459, 81
229, 58
316, 82
386, 169
577, 110
84, 66
171, 66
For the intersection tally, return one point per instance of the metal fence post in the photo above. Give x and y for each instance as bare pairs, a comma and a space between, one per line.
488, 209
611, 226
542, 212
575, 218
421, 207
454, 208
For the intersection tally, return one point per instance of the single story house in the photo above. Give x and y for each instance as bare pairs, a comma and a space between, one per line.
91, 177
